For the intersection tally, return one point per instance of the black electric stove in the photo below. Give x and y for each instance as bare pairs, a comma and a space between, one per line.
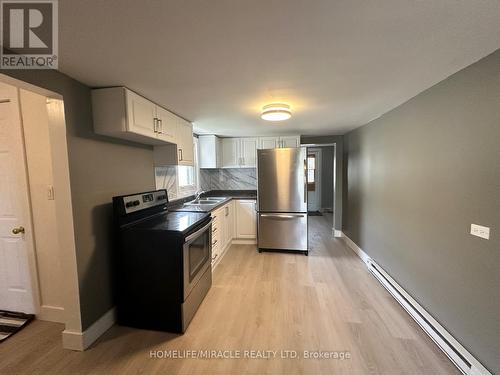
177, 223
163, 262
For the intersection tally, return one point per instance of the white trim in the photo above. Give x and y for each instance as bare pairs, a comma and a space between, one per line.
64, 211
319, 166
364, 257
337, 233
51, 314
443, 339
80, 341
245, 242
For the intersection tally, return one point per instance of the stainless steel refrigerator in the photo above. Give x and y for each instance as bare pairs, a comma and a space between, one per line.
282, 199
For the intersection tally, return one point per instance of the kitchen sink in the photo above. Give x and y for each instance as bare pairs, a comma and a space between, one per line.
208, 200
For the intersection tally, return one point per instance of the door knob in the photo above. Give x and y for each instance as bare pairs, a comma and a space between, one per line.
18, 230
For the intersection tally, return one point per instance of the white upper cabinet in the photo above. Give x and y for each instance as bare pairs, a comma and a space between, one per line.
239, 152
180, 153
121, 113
290, 141
141, 115
184, 141
279, 142
248, 152
268, 142
210, 151
166, 123
230, 152
218, 152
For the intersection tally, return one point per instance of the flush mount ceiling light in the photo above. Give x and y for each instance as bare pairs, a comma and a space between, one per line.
276, 112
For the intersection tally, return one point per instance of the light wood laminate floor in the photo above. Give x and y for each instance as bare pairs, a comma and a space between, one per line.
271, 301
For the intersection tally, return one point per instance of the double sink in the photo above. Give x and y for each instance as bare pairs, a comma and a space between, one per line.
205, 201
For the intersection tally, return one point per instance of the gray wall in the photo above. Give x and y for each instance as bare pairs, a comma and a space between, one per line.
100, 168
416, 179
327, 157
339, 166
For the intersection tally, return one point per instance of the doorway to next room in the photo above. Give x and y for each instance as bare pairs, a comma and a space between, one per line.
320, 191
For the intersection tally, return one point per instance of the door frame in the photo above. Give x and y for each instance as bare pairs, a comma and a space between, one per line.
336, 189
64, 212
319, 158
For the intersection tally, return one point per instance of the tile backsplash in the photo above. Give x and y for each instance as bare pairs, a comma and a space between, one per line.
166, 178
228, 179
210, 179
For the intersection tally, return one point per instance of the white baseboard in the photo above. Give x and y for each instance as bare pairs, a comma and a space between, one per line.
337, 233
460, 356
364, 257
80, 341
51, 314
245, 241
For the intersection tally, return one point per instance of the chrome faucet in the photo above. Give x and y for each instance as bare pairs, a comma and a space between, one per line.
198, 194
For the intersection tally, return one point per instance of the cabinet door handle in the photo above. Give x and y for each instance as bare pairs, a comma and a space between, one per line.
155, 124
180, 154
214, 243
215, 256
160, 127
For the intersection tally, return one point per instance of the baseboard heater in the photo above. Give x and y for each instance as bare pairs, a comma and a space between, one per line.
460, 356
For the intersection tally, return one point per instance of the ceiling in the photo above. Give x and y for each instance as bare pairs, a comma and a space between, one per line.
339, 64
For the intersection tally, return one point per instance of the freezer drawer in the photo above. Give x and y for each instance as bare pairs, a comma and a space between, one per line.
282, 231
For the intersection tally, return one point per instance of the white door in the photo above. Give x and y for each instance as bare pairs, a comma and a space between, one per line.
313, 179
141, 115
230, 153
246, 219
268, 143
15, 282
293, 141
249, 152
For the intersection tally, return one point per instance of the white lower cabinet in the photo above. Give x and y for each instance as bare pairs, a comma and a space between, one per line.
246, 219
217, 235
234, 222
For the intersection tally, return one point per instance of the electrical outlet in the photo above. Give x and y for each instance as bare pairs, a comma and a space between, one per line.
480, 231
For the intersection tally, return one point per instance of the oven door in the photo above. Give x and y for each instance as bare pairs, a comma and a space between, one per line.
197, 254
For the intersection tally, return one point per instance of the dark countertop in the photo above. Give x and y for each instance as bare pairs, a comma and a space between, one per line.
236, 194
174, 222
180, 205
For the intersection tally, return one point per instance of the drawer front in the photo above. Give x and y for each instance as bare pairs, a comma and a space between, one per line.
282, 231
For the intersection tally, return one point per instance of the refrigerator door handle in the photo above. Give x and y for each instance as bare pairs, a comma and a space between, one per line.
288, 216
305, 181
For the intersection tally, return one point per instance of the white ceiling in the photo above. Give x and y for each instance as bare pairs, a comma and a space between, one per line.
339, 64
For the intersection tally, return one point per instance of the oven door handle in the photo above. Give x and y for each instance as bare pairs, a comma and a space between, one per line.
198, 232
